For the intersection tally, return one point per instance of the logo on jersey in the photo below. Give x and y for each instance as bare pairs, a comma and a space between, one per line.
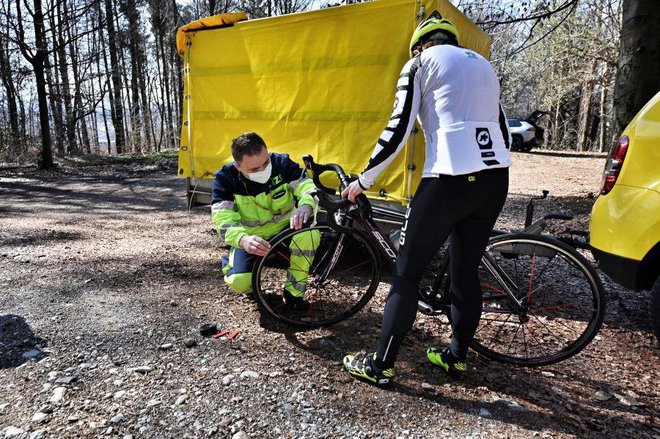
471, 55
483, 138
485, 143
277, 180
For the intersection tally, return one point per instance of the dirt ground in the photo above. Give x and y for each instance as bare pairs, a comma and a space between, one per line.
106, 277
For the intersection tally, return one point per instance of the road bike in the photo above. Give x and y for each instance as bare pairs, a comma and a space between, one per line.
543, 301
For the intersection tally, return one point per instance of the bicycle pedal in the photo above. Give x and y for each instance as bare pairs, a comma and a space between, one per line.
427, 309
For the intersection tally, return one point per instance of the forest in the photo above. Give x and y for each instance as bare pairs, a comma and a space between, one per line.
103, 77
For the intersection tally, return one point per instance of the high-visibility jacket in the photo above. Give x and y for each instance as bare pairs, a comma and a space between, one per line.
241, 207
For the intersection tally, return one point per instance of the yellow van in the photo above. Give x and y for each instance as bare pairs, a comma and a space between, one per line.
625, 220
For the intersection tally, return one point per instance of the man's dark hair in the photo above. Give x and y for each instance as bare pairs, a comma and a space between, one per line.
246, 144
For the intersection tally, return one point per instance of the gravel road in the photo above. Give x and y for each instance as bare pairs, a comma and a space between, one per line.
106, 278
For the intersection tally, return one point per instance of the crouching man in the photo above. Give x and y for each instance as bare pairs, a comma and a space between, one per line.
253, 199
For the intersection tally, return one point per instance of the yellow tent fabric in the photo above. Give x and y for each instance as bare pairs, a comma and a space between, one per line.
208, 23
319, 82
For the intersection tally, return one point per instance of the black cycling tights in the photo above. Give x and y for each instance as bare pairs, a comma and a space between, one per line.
463, 208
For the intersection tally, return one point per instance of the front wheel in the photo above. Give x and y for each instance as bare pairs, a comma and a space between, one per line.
542, 301
335, 273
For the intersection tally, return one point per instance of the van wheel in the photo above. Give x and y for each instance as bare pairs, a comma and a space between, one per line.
655, 307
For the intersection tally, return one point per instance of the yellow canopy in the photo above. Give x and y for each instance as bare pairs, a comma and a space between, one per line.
319, 82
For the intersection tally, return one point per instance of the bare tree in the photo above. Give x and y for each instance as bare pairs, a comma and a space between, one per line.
638, 78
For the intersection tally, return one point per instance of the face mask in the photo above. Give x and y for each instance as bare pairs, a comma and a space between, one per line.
261, 177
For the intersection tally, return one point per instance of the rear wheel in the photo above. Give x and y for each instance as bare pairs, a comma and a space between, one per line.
543, 301
335, 272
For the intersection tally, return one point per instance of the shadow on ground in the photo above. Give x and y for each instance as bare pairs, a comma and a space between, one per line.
18, 343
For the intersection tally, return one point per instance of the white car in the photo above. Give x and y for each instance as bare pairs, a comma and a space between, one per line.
523, 135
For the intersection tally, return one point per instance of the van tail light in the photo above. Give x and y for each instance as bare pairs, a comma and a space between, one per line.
614, 164
532, 129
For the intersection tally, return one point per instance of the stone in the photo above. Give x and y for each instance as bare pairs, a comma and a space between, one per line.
40, 417
119, 394
249, 374
4, 406
117, 418
166, 346
142, 369
190, 342
427, 386
38, 434
240, 435
58, 395
227, 379
66, 381
153, 403
485, 413
12, 431
52, 375
32, 353
601, 396
181, 399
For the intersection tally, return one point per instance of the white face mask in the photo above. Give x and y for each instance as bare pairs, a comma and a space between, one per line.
261, 177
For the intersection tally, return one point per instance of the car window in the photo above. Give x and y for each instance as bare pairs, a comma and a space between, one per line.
514, 123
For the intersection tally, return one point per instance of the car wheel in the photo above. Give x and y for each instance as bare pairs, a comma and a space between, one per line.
655, 307
516, 145
527, 147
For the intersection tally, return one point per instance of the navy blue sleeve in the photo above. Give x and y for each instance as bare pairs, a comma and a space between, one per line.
292, 170
222, 190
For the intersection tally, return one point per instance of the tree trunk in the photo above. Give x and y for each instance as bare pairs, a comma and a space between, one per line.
135, 47
54, 92
38, 62
638, 79
602, 138
10, 90
117, 108
78, 108
72, 144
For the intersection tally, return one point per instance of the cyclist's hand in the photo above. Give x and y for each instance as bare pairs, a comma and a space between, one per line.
300, 216
254, 245
352, 191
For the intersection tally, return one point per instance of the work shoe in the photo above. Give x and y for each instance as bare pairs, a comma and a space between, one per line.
446, 360
363, 366
295, 304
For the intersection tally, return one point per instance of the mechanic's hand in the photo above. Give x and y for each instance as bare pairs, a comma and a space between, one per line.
352, 191
255, 245
300, 216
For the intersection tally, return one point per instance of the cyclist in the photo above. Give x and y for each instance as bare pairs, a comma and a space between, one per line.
455, 94
254, 198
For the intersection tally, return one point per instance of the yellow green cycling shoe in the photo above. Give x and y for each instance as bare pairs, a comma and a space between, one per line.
446, 360
363, 366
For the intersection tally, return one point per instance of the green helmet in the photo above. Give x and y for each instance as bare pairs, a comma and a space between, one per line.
434, 23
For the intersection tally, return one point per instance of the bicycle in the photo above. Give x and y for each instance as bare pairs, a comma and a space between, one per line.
528, 317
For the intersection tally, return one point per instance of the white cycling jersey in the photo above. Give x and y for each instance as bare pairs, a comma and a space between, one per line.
455, 94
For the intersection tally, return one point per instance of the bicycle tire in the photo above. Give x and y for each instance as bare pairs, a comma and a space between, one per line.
586, 292
326, 307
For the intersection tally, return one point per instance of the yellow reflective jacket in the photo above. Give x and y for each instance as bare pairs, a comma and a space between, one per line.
242, 207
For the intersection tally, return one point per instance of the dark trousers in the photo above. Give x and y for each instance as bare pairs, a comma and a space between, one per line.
463, 208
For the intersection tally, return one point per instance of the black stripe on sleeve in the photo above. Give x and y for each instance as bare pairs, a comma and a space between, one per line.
505, 128
399, 131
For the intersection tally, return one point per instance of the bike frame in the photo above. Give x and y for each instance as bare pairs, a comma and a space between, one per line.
377, 237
